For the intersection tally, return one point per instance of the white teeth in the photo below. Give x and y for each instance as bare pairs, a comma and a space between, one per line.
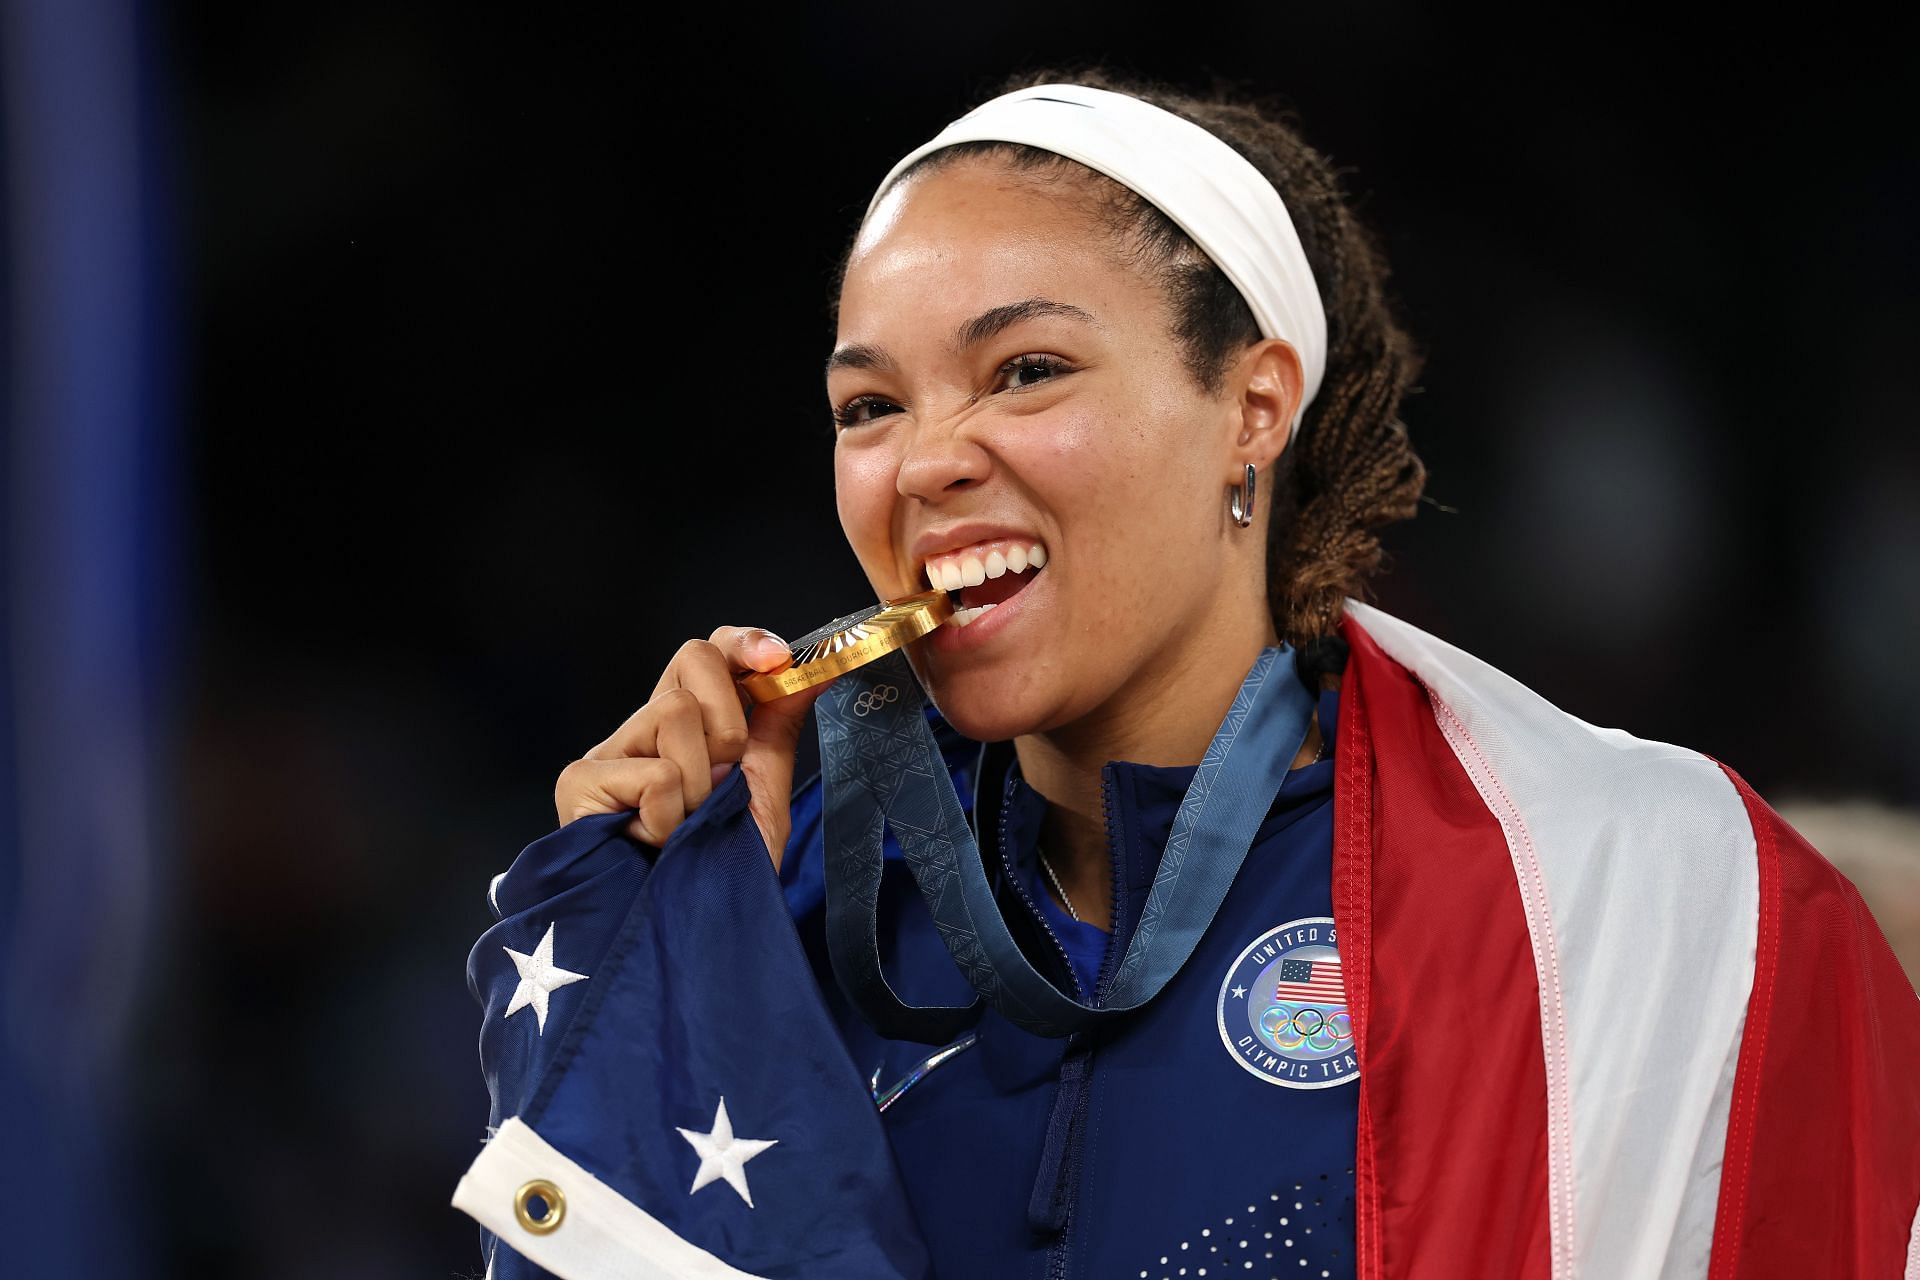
952, 572
965, 617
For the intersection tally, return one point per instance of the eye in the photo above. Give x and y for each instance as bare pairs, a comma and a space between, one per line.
1051, 366
847, 415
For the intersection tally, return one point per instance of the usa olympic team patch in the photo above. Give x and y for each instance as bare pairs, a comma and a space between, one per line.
1283, 1008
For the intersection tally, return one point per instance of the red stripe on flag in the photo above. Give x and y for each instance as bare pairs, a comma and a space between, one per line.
1325, 983
1824, 1095
1452, 1163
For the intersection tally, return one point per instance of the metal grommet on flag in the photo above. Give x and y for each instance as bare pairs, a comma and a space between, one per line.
548, 1194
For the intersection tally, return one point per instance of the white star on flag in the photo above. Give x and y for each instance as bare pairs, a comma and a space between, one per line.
724, 1156
1239, 992
538, 976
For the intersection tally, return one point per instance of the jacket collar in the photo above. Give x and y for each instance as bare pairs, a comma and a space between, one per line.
1142, 799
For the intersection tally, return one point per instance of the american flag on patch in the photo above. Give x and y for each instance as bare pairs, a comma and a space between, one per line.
1310, 982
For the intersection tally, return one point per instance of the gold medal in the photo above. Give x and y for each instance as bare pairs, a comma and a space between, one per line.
849, 642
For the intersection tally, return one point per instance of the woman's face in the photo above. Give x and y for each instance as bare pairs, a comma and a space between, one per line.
1002, 381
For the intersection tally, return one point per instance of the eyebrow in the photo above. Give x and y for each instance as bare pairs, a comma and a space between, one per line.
975, 331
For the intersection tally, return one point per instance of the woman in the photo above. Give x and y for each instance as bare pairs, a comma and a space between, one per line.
1492, 992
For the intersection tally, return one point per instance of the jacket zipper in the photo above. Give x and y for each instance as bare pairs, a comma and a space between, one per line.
1114, 862
1058, 1256
1079, 1060
1006, 860
1072, 1061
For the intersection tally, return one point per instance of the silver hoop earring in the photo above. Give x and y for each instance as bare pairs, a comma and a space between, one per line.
1241, 502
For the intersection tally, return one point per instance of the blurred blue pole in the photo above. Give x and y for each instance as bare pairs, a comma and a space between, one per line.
85, 650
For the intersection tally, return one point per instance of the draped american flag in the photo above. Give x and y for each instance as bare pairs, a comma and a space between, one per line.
721, 1160
1310, 982
699, 1159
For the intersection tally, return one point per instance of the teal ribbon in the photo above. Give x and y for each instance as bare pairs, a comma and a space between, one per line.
880, 765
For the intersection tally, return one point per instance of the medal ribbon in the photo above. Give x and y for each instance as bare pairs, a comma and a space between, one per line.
880, 765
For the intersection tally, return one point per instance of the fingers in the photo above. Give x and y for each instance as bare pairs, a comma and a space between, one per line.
700, 670
727, 651
708, 677
769, 764
650, 786
706, 669
693, 728
680, 736
751, 648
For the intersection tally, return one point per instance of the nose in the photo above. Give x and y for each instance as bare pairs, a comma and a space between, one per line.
941, 456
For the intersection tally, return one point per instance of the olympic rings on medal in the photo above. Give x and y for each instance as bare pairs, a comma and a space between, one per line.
875, 698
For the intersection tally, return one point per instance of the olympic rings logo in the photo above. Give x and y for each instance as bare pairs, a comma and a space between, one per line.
875, 698
1310, 1027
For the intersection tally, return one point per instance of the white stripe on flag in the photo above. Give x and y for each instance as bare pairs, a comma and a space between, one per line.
1323, 987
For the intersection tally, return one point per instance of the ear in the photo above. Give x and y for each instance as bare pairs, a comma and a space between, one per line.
1266, 387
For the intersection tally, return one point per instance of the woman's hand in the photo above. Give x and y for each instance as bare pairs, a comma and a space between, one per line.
672, 752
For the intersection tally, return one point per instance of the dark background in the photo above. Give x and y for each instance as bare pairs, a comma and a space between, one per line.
488, 343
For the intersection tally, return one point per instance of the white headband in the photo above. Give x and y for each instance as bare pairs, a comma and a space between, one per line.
1213, 192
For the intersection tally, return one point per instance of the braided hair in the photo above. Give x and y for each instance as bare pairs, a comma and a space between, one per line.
1352, 468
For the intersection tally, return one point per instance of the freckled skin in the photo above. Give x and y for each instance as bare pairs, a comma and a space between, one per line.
1154, 600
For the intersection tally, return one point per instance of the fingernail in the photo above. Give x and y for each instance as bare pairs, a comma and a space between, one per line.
720, 772
771, 649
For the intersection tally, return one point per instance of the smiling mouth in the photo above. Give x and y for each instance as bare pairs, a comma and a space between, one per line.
972, 602
986, 575
995, 590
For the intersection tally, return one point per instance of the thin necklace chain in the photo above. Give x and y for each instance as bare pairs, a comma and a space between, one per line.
1056, 887
1061, 889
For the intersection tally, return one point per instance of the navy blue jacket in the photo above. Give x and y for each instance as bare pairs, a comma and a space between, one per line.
1162, 1147
630, 993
